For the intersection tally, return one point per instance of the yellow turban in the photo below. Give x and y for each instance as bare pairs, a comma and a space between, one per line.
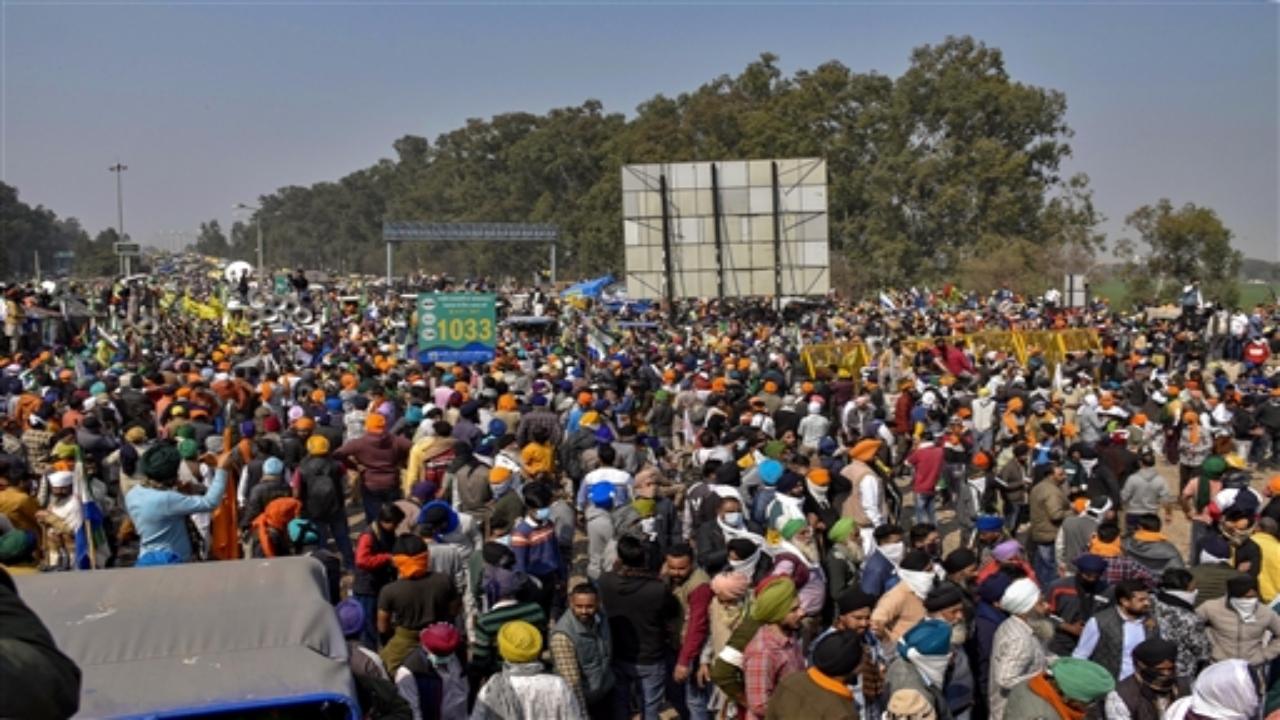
519, 642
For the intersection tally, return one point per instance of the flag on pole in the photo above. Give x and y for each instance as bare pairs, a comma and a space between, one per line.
91, 539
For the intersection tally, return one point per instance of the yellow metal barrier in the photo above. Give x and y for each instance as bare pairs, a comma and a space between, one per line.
1053, 346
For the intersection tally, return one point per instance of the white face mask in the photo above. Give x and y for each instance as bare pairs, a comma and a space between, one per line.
733, 519
1246, 607
959, 633
893, 551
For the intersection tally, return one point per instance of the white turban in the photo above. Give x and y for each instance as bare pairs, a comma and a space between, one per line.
1020, 597
60, 479
1223, 690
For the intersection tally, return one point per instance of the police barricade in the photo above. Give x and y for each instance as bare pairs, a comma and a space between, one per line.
1053, 346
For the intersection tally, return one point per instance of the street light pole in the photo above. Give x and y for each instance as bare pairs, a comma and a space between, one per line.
119, 169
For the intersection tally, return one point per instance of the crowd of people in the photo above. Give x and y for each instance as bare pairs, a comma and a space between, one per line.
676, 513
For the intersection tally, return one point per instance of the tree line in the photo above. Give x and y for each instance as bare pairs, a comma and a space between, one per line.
952, 171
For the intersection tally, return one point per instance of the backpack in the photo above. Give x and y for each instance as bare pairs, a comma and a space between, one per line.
321, 496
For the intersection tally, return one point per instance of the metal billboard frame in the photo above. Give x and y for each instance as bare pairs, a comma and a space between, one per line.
778, 217
402, 231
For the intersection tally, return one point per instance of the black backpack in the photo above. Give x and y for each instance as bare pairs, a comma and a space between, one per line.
321, 493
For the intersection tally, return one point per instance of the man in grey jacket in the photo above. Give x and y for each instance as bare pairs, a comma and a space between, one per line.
1238, 623
1150, 547
1145, 493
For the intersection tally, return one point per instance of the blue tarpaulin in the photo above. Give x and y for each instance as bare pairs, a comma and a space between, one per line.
588, 288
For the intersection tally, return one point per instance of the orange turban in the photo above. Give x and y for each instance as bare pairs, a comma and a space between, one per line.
820, 476
865, 450
507, 402
304, 423
375, 422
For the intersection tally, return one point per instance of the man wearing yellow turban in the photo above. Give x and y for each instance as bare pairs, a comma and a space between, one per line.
523, 688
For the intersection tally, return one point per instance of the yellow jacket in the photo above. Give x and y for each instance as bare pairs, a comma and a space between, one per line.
1269, 575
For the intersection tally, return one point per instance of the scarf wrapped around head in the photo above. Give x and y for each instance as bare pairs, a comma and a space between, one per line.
411, 557
730, 586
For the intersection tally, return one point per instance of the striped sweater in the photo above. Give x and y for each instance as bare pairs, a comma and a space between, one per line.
484, 651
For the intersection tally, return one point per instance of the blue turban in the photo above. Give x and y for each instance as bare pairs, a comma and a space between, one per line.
604, 435
1092, 564
433, 508
989, 523
992, 589
770, 471
929, 637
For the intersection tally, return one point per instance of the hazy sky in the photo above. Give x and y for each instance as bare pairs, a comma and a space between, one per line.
218, 103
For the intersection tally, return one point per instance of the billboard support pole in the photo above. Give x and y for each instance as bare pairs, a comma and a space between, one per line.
553, 266
777, 239
670, 290
716, 217
389, 254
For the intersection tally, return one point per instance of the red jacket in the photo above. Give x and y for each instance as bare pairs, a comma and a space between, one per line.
927, 460
902, 414
379, 457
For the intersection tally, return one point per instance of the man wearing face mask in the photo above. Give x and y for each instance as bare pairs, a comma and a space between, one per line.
924, 654
713, 538
1073, 600
902, 607
1110, 636
533, 540
1175, 614
1152, 688
946, 602
1238, 623
880, 572
431, 680
924, 536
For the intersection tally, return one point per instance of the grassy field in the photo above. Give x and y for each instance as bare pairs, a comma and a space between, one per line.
1250, 294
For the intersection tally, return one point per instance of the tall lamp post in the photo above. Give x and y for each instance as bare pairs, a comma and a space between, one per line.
119, 169
258, 222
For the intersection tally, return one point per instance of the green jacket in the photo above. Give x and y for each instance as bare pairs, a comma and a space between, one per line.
798, 696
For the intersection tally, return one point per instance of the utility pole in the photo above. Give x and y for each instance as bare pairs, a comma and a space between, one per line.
119, 169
